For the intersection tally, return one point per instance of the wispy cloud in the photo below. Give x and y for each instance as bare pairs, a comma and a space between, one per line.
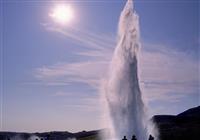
168, 74
163, 71
94, 41
81, 72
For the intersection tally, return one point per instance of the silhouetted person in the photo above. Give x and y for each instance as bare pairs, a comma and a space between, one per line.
124, 138
151, 137
133, 137
48, 137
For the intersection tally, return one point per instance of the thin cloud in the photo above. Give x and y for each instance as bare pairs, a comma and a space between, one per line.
80, 72
94, 41
163, 71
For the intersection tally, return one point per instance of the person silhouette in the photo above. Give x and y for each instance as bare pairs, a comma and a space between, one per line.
48, 137
151, 137
133, 137
124, 138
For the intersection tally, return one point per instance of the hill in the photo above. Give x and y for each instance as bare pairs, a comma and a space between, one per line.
184, 126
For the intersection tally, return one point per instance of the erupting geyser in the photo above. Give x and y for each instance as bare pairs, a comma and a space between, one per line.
122, 91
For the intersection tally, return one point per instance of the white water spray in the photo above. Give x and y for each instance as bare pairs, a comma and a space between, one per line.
122, 91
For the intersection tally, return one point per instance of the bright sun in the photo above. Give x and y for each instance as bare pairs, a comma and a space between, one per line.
62, 14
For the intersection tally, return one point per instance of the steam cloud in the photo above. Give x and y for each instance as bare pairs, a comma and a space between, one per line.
125, 106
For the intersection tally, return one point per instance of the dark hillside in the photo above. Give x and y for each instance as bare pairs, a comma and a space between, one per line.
184, 126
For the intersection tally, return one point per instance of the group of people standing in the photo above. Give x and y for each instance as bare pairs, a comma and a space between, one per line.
134, 138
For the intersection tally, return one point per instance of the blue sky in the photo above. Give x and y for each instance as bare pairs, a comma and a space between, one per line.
50, 74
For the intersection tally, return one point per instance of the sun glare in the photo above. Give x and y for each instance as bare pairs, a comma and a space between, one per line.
62, 14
